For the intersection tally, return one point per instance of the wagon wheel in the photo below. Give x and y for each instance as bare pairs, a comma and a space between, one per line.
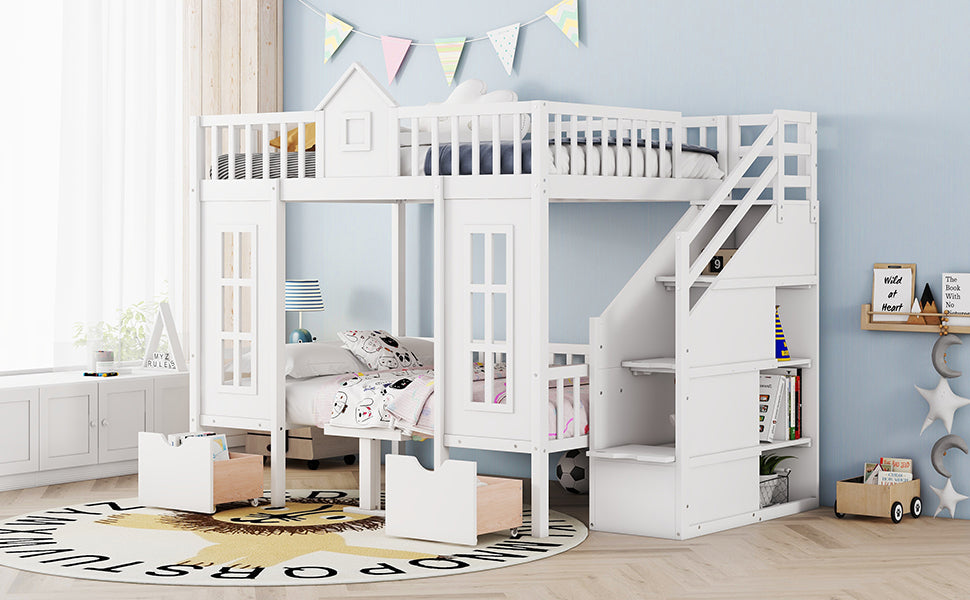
916, 507
313, 464
514, 533
896, 512
254, 501
835, 507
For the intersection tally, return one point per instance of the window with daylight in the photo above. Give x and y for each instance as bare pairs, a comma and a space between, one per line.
91, 166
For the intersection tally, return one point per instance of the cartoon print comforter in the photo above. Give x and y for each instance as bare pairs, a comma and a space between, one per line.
404, 399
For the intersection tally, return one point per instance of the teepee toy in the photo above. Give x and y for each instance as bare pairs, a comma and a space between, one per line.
781, 348
928, 305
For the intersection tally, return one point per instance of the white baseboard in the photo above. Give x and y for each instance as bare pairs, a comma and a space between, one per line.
39, 478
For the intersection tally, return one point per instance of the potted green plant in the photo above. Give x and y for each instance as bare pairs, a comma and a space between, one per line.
773, 486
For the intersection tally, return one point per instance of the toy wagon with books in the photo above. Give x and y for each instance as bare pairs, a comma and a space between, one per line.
854, 497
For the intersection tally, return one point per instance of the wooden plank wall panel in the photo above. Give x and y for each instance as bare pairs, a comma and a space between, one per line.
232, 62
249, 51
229, 42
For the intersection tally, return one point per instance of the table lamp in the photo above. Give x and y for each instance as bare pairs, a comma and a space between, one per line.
302, 295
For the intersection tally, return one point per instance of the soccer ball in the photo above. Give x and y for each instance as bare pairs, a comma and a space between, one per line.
573, 472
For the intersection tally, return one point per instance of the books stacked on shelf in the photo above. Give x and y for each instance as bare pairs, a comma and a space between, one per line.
780, 405
220, 446
888, 471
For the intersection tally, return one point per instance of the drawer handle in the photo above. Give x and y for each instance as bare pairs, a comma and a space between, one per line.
104, 422
94, 423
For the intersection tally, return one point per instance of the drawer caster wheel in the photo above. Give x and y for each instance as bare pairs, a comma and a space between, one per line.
837, 513
254, 501
350, 459
514, 533
916, 507
313, 465
896, 512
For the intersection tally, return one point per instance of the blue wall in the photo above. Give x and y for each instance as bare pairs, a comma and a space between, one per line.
888, 80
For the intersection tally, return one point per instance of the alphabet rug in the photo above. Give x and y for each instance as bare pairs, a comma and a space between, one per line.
317, 539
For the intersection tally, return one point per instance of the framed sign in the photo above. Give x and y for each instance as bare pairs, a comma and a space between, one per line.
893, 287
172, 360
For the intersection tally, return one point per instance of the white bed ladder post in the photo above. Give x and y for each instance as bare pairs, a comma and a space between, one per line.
398, 266
778, 193
440, 450
683, 281
539, 330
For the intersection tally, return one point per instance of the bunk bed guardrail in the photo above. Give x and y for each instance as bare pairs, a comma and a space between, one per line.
238, 146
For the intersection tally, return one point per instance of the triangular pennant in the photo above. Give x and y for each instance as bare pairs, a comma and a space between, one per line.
335, 32
394, 51
566, 17
504, 41
781, 348
449, 53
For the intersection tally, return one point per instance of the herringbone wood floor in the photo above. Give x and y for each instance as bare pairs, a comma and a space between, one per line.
808, 556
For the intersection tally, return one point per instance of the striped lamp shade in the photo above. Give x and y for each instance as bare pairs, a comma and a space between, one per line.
303, 294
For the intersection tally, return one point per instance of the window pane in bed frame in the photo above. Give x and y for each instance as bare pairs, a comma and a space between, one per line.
245, 309
498, 259
246, 367
228, 258
478, 316
499, 312
228, 323
245, 255
478, 258
228, 362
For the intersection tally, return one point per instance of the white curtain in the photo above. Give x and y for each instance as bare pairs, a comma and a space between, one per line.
96, 162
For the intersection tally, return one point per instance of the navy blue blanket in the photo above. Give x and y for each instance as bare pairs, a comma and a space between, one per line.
506, 158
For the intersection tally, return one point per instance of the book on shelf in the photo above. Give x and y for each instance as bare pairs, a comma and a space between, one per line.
790, 409
772, 394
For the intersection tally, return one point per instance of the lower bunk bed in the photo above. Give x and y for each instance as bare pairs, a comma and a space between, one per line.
398, 404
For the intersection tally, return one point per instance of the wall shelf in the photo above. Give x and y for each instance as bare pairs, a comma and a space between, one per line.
869, 325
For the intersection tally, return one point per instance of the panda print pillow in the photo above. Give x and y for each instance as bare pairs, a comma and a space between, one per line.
378, 349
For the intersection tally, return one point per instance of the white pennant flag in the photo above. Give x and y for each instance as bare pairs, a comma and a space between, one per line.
504, 41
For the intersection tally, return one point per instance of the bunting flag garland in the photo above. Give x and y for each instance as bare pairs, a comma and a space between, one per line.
504, 41
449, 53
335, 33
566, 17
394, 51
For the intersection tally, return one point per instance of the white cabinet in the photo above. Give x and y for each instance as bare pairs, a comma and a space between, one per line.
57, 427
19, 447
125, 407
68, 425
172, 403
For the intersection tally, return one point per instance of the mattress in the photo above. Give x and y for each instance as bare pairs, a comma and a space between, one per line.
593, 159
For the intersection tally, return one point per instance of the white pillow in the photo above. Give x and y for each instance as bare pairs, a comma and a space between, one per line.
319, 358
473, 92
378, 349
420, 347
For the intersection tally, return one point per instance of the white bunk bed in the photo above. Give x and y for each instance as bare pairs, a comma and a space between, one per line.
491, 246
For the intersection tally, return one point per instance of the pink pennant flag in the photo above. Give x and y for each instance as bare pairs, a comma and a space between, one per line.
394, 51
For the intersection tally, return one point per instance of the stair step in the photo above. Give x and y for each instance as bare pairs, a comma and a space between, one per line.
667, 364
794, 281
650, 454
